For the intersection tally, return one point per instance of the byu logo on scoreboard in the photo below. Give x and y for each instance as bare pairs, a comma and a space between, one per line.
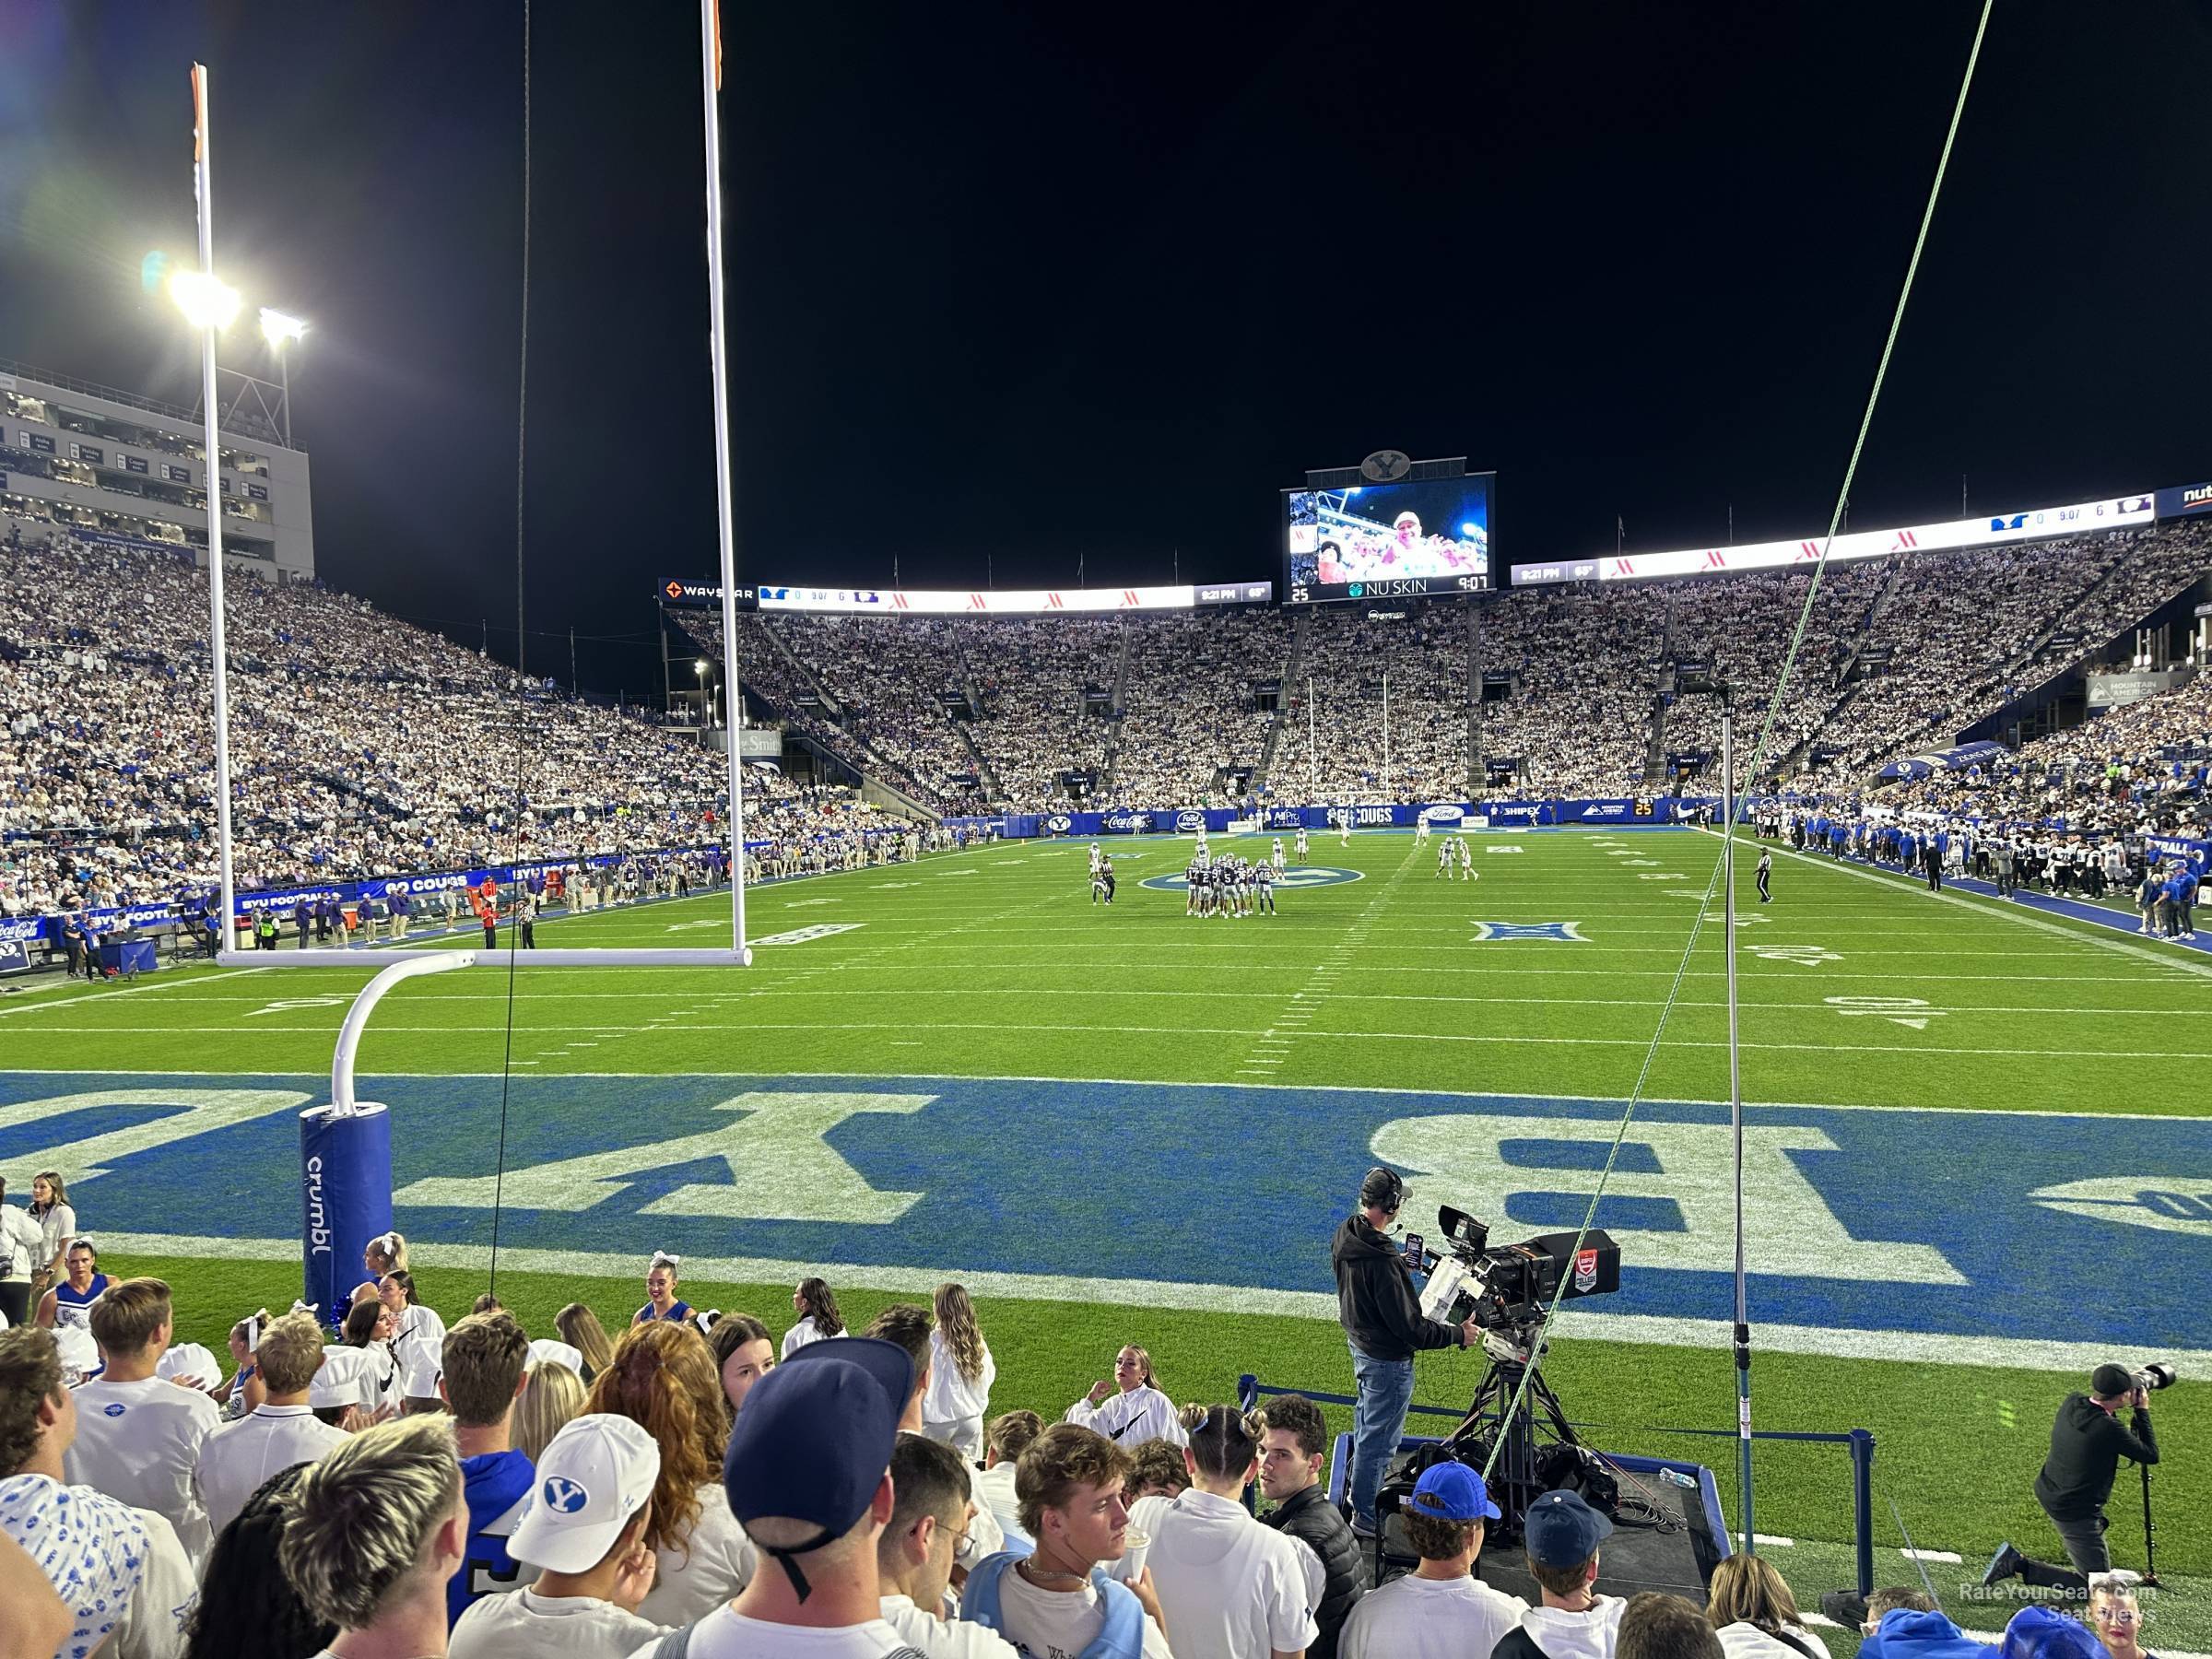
1565, 931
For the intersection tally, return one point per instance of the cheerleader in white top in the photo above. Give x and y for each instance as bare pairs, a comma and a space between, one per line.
815, 1305
417, 1332
1130, 1410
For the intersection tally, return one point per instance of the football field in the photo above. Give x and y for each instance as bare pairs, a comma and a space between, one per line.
1977, 1159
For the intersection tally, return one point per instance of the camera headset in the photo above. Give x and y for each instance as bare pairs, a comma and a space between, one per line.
1383, 1188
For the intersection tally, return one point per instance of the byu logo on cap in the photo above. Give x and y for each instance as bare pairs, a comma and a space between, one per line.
563, 1496
115, 1410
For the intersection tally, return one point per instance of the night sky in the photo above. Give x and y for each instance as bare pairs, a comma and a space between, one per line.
1019, 287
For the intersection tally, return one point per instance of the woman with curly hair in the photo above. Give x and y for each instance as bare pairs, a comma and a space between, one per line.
664, 1378
960, 1373
815, 1304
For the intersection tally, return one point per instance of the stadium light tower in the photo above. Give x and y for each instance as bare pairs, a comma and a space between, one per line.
280, 331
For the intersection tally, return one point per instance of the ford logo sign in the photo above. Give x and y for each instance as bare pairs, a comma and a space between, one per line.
1443, 814
1190, 821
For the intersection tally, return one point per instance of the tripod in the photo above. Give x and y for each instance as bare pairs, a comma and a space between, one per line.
2150, 1559
1492, 1421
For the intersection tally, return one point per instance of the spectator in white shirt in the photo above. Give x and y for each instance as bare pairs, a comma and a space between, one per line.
912, 1327
1136, 1411
120, 1570
1010, 1435
960, 1373
1056, 1599
815, 1304
245, 1611
1754, 1613
808, 1476
50, 1207
22, 1251
585, 1528
372, 1533
1230, 1587
238, 1458
1561, 1535
1440, 1610
930, 1514
140, 1438
663, 1379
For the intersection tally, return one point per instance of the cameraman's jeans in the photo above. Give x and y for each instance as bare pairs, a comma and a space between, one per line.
1384, 1393
2086, 1549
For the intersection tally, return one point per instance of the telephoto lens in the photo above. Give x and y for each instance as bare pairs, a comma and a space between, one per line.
2160, 1375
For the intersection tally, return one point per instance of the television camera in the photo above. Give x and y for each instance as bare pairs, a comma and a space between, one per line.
1507, 1290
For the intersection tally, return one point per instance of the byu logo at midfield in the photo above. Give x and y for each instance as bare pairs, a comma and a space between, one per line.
563, 1496
1296, 875
1485, 931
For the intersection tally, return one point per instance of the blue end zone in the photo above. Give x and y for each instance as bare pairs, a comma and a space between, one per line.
1964, 1223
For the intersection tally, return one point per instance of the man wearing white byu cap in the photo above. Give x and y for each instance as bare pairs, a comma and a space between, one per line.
808, 1476
282, 1430
585, 1530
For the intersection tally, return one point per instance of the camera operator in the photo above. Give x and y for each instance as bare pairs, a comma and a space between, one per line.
1383, 1322
2087, 1444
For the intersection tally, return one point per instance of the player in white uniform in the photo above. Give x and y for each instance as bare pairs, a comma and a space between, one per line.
1298, 847
1466, 859
1274, 856
1095, 856
1420, 829
1443, 861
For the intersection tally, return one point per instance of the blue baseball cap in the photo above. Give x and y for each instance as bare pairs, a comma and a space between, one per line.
1560, 1530
815, 1438
1452, 1491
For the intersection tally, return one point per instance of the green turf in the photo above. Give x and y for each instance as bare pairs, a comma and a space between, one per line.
993, 963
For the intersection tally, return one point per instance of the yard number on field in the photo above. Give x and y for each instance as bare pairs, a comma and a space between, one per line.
1899, 1010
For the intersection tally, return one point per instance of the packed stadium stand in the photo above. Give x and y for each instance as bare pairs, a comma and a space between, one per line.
360, 746
365, 745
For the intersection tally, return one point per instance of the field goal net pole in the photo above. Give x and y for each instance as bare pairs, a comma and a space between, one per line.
1742, 1332
738, 953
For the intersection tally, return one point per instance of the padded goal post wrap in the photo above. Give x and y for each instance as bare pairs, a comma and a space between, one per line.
346, 1199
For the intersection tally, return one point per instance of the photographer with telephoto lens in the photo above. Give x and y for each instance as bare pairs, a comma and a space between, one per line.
2087, 1444
1382, 1322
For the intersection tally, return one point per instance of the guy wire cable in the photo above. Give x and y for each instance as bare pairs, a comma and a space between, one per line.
521, 724
1767, 725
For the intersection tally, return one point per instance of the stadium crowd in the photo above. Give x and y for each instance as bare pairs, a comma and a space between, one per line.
387, 1484
347, 723
360, 746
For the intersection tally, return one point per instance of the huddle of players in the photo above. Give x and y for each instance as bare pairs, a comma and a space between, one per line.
1230, 886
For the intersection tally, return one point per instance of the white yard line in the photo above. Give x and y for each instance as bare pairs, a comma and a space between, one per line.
1915, 1347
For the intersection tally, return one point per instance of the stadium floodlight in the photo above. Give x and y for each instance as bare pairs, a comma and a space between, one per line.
205, 300
276, 328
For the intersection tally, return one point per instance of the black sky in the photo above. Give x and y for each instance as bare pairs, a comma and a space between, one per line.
1050, 283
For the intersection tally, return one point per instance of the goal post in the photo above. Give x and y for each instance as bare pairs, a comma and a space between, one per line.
737, 953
